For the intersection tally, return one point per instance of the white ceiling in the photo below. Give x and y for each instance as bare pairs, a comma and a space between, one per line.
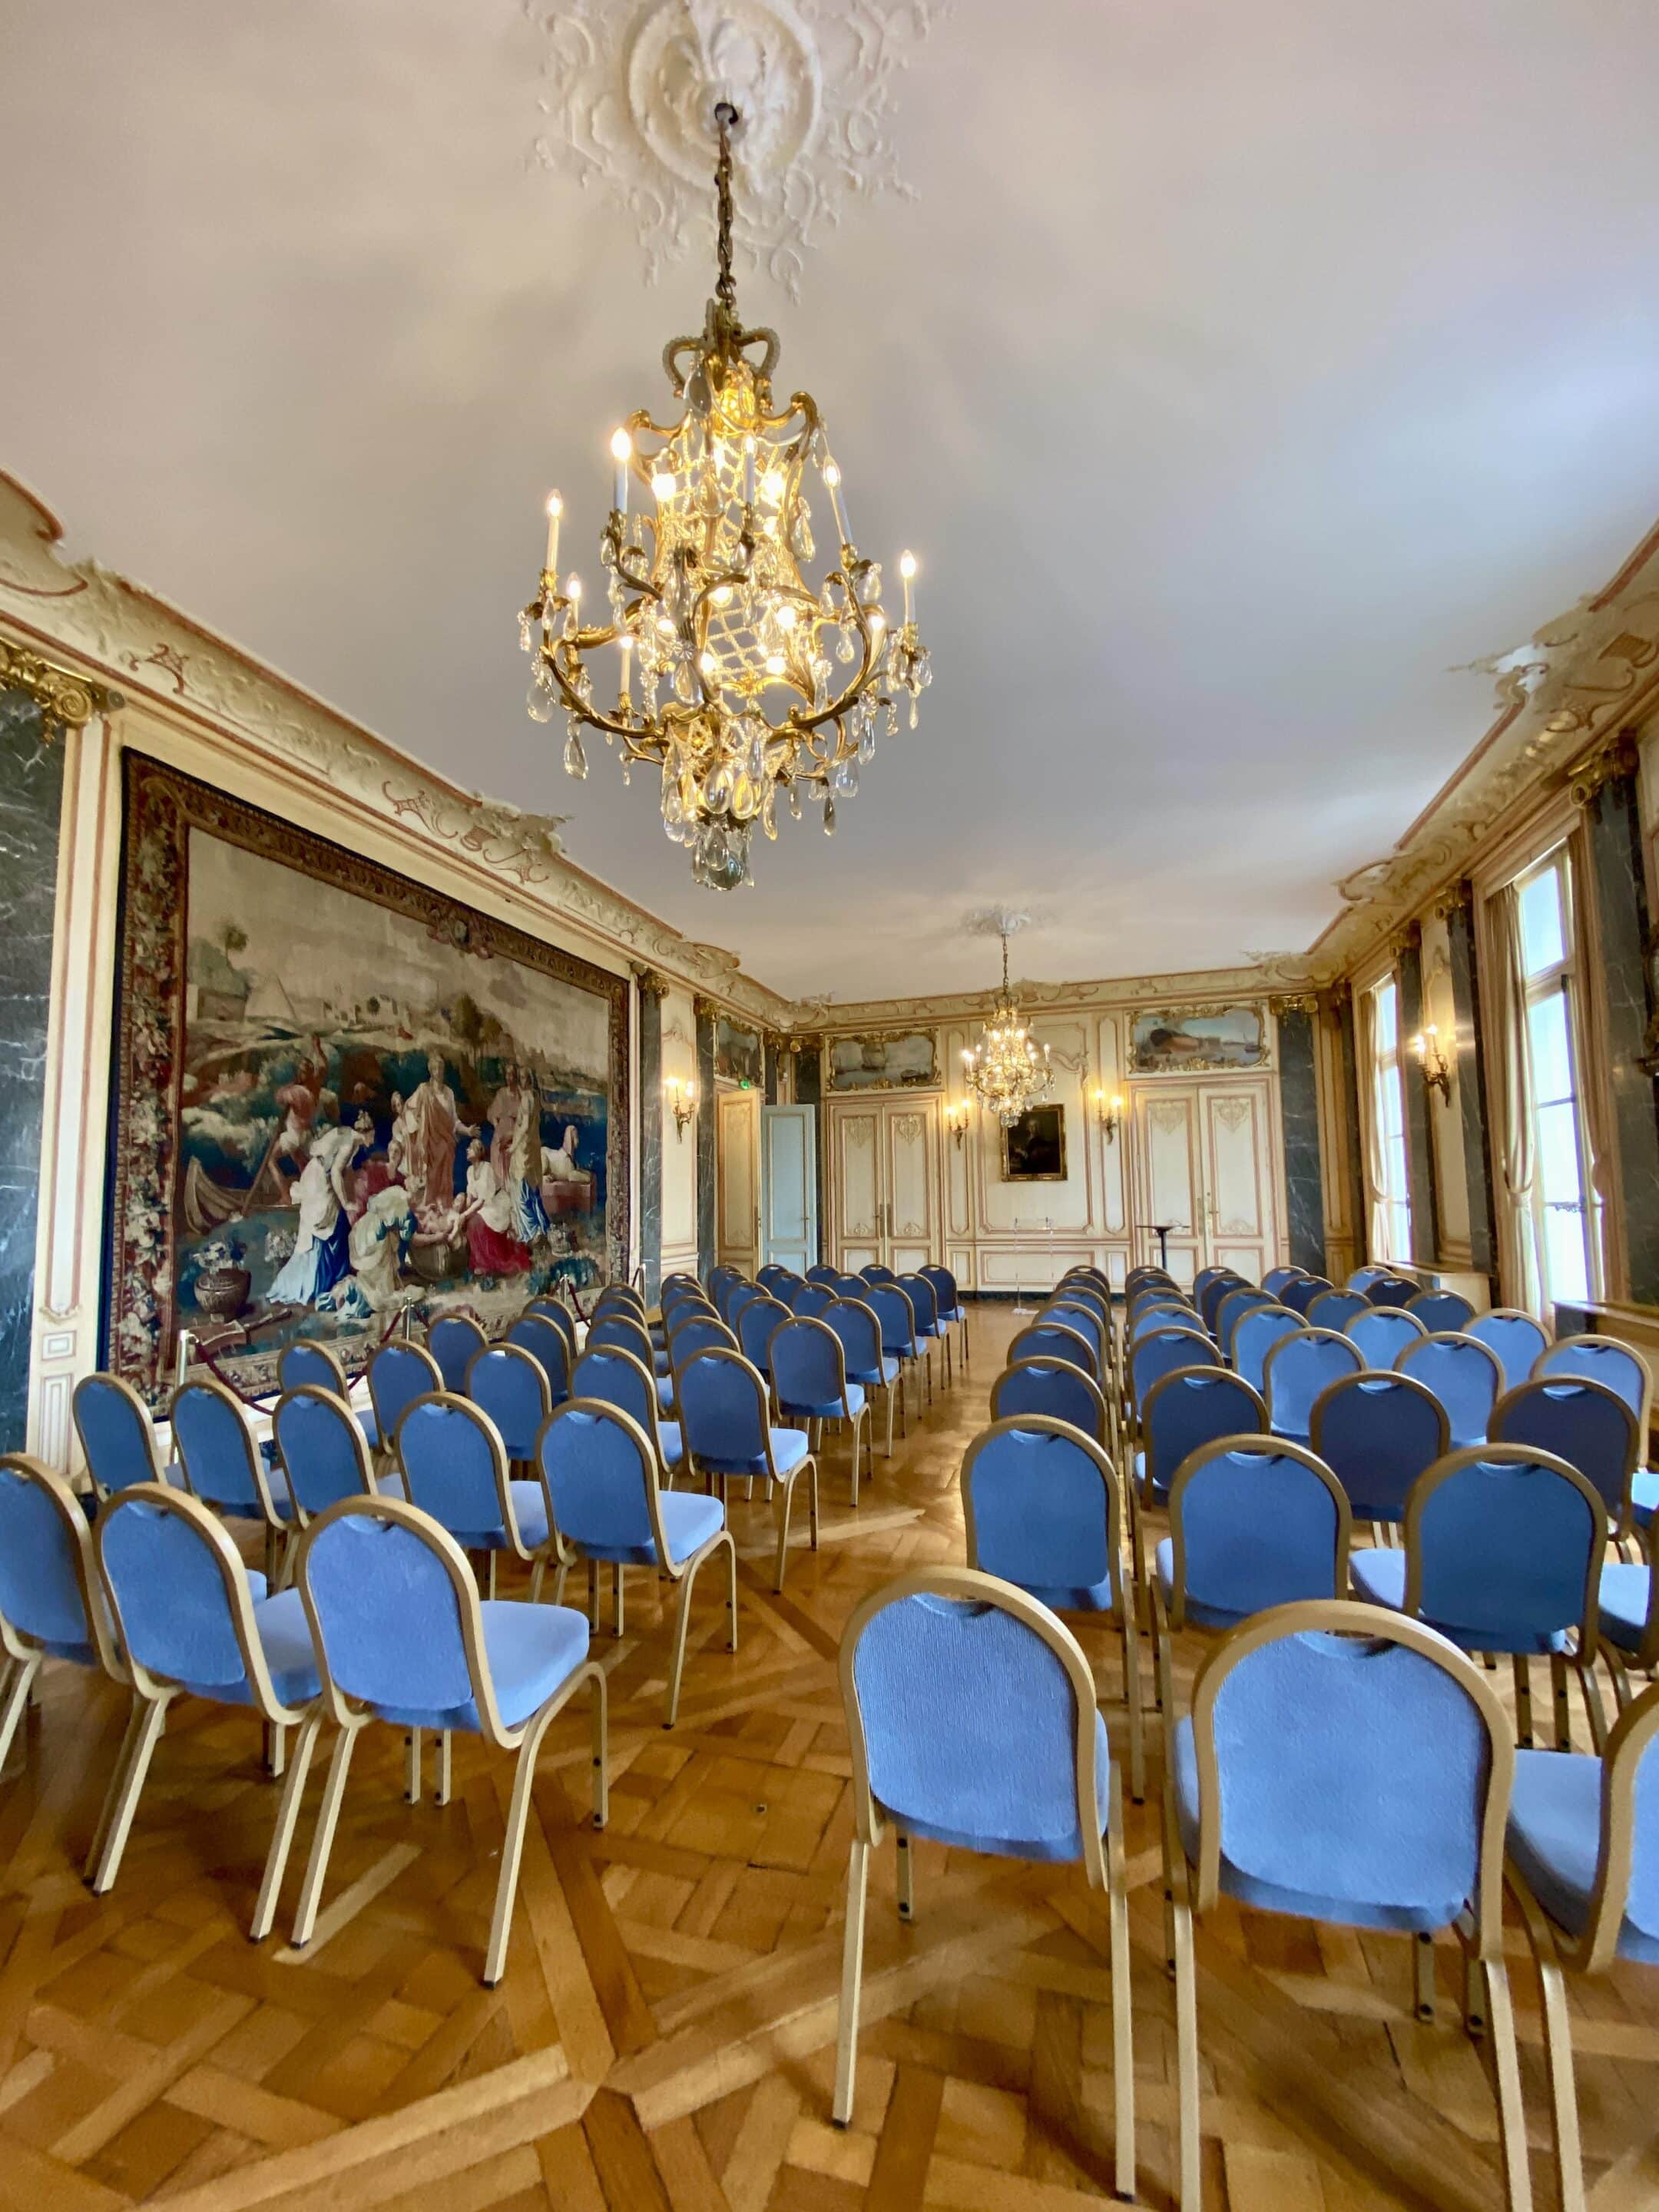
1266, 363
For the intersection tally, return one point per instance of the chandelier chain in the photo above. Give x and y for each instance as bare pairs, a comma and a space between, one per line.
725, 286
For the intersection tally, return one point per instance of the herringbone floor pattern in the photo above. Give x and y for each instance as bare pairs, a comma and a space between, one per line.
664, 2038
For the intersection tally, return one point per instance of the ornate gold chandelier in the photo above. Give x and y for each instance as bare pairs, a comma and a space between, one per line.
734, 677
1008, 1071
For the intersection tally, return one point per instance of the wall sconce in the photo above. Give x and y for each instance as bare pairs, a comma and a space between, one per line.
1108, 1112
683, 1102
957, 1119
1437, 1069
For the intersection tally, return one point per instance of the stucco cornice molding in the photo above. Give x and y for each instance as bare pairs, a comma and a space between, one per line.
1272, 975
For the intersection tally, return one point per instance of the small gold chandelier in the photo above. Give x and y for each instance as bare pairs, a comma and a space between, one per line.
770, 686
1007, 1072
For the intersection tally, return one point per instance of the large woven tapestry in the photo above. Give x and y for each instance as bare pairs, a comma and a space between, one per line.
338, 1095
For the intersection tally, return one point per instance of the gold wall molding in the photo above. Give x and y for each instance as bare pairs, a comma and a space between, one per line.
66, 701
1613, 757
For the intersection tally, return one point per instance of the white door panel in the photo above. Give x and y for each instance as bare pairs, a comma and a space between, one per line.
789, 1229
739, 1213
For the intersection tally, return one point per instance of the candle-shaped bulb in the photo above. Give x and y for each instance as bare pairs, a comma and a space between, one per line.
573, 589
662, 486
622, 451
832, 483
554, 510
908, 570
748, 472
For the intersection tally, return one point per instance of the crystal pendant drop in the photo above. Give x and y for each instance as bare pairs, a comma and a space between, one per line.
912, 713
526, 634
828, 816
794, 802
538, 704
892, 718
575, 758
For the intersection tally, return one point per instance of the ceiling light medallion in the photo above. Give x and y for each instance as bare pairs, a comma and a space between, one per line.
732, 676
1008, 1071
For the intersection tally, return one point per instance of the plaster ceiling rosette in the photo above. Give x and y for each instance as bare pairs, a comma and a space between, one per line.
629, 89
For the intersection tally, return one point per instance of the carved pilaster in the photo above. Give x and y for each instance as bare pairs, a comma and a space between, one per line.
66, 701
1616, 756
651, 984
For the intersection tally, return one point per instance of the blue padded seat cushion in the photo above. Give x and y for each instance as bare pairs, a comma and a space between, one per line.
788, 1450
689, 1517
532, 1649
673, 1444
1295, 1436
529, 1509
1198, 1616
1017, 1846
1380, 1578
290, 1655
665, 1391
1645, 1495
370, 1427
1555, 1835
1065, 1597
829, 1409
1624, 1604
871, 1378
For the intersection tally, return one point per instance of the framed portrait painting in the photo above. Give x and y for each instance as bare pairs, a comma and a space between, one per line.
336, 1095
1034, 1147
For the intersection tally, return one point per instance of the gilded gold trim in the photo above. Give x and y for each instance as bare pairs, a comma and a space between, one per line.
66, 701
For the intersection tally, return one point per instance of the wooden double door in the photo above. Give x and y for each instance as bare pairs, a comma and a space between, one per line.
884, 1179
1206, 1160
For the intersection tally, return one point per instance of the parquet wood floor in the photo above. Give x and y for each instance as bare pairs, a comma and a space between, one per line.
663, 2040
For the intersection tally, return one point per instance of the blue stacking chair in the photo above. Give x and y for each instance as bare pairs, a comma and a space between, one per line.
1464, 1375
756, 1325
813, 1298
723, 1418
743, 1294
1276, 1279
1335, 1308
1044, 1510
810, 1384
624, 1332
1514, 1338
1206, 1276
770, 1276
616, 1378
1255, 1336
1053, 1340
454, 1341
1363, 1278
1381, 1806
890, 1304
1381, 1334
971, 1715
1603, 1360
848, 1286
1442, 1313
505, 1382
322, 1451
952, 1313
608, 1506
1504, 1546
118, 1438
1231, 1311
547, 1345
306, 1364
556, 1311
855, 1322
621, 1294
1053, 1388
877, 1273
692, 1338
1163, 1313
930, 1330
1296, 1370
1164, 1351
1585, 1424
398, 1374
821, 1273
1074, 1314
1394, 1291
402, 1638
1377, 1433
191, 1621
695, 1313
1192, 1407
456, 1469
223, 1466
52, 1604
1583, 1864
1300, 1295
1219, 1287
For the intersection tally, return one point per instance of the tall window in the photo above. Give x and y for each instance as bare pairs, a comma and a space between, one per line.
1393, 1222
1561, 1185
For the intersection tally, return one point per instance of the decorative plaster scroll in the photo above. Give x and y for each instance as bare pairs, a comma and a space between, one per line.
629, 93
115, 626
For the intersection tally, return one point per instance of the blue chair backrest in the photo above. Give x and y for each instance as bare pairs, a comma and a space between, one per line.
769, 1274
1300, 1295
722, 1408
677, 1294
1600, 1359
1158, 1294
398, 1374
545, 1343
921, 1296
115, 1433
891, 1305
1336, 1309
1392, 1291
1376, 1433
454, 1341
448, 1460
1256, 1526
299, 1365
688, 1314
214, 1442
387, 1615
1072, 1313
742, 1295
1255, 1336
1440, 1312
1504, 1540
854, 1323
700, 1335
1039, 1510
849, 1286
621, 1294
812, 1298
1053, 1388
616, 1378
1363, 1278
1162, 1351
321, 1447
40, 1585
168, 1586
875, 1272
1514, 1338
1219, 1287
556, 1311
623, 1330
1071, 1293
821, 1273
1053, 1340
1463, 1375
1231, 1311
970, 1721
599, 1470
1382, 1334
506, 1381
1580, 1421
1298, 1369
944, 1288
1163, 1313
755, 1326
807, 1363
1390, 1748
1276, 1278
1194, 1406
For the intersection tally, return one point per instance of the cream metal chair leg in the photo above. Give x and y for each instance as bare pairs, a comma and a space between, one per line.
444, 1778
1506, 2066
852, 1978
1562, 1700
1123, 2056
780, 1510
489, 1575
1131, 1698
322, 1841
1557, 2049
1594, 1710
678, 1664
907, 1879
593, 1596
18, 1679
618, 1573
537, 1573
132, 1782
1475, 1997
275, 1747
282, 1839
524, 1777
1522, 1701
1423, 1978
130, 1736
601, 1755
412, 1765
887, 1393
1189, 2193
